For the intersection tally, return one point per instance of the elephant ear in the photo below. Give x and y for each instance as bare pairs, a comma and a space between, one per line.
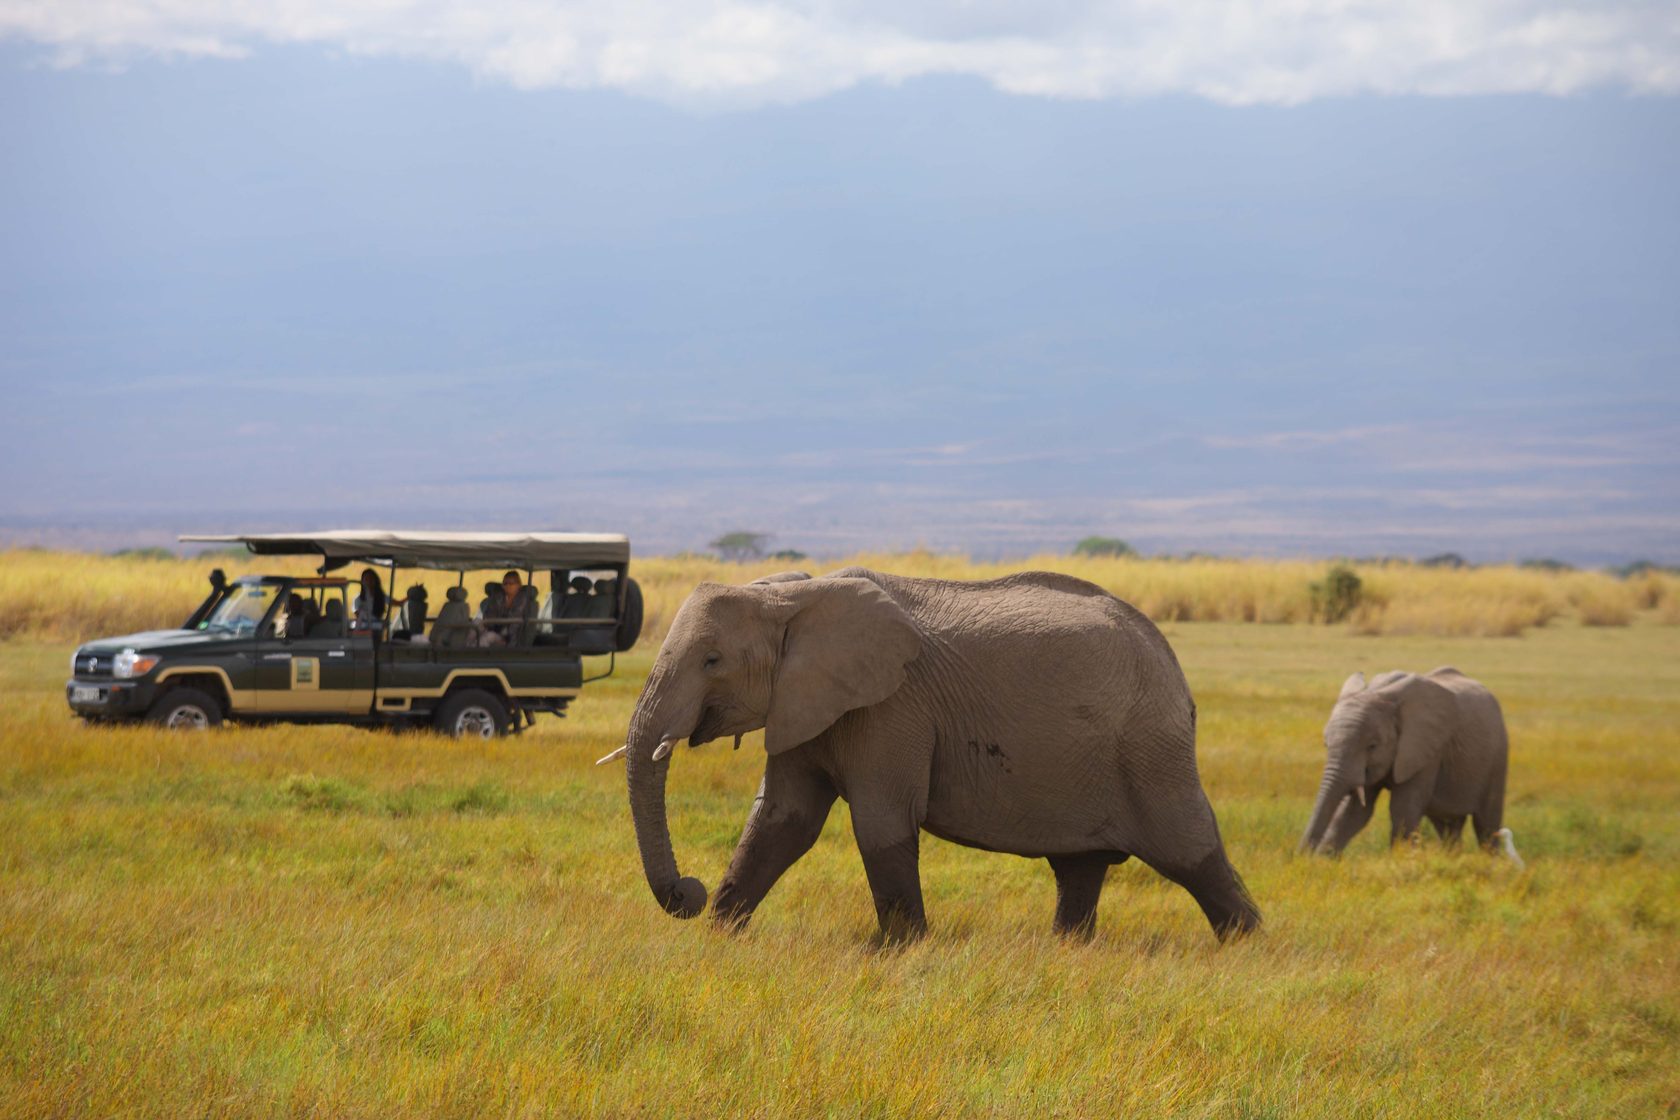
1354, 683
1427, 715
845, 646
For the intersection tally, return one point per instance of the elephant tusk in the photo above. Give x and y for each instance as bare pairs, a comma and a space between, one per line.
1359, 792
619, 753
664, 748
737, 745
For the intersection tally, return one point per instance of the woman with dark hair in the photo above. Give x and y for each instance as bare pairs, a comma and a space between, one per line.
370, 604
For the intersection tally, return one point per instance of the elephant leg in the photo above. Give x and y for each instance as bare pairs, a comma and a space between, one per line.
1405, 810
1490, 818
787, 817
1208, 874
890, 845
1079, 883
1448, 828
1350, 819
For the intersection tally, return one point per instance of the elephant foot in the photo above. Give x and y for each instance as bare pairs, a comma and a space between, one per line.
730, 911
1219, 891
898, 930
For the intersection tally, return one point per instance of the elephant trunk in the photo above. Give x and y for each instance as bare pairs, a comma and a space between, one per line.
1331, 791
681, 896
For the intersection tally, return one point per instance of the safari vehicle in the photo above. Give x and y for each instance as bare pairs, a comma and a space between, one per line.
296, 649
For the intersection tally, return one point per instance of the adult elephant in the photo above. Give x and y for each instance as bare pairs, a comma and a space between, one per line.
1034, 714
1436, 742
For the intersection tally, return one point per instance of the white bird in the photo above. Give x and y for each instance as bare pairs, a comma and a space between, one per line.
1510, 849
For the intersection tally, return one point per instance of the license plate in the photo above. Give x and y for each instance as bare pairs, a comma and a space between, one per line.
81, 695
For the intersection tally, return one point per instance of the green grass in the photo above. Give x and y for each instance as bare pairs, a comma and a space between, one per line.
323, 921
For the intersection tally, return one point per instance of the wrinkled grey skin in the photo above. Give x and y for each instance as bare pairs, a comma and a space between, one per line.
1435, 742
1034, 714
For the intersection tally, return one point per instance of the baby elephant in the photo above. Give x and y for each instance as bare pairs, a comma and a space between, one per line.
1435, 742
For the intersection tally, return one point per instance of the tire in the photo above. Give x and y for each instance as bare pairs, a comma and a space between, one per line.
186, 709
472, 713
630, 622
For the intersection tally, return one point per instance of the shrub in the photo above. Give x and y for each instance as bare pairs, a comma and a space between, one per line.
1337, 595
1450, 560
740, 545
1103, 546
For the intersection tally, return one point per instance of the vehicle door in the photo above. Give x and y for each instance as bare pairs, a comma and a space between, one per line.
323, 670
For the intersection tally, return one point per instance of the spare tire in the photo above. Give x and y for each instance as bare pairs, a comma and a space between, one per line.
629, 619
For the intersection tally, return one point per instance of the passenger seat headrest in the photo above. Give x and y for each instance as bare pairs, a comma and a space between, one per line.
334, 611
456, 594
581, 584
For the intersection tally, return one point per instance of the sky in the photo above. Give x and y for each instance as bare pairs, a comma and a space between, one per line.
1274, 278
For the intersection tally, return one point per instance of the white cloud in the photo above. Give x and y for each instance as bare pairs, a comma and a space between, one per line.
729, 52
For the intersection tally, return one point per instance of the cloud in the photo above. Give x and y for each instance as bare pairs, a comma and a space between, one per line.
732, 52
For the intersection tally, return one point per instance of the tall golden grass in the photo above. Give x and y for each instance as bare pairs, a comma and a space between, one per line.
77, 596
321, 921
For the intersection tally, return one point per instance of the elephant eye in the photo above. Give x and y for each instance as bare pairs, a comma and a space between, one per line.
712, 659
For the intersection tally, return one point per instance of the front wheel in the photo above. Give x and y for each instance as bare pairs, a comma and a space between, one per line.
472, 713
186, 709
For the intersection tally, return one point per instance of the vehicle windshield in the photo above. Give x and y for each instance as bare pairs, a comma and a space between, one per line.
242, 609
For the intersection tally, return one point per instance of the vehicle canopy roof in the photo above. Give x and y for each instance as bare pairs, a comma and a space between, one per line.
442, 550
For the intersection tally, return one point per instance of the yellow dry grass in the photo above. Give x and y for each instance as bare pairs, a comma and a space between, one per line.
322, 921
80, 596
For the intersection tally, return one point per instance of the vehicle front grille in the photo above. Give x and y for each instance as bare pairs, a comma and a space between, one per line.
89, 665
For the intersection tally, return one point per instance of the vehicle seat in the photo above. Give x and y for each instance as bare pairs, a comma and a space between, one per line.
576, 603
452, 627
331, 624
411, 619
603, 603
600, 605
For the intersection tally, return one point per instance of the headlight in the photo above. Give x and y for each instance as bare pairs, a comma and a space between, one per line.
131, 664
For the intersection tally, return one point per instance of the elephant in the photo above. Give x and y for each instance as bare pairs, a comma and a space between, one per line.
1034, 714
1436, 742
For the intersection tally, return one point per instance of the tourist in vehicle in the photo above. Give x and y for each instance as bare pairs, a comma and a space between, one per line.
370, 604
294, 621
511, 611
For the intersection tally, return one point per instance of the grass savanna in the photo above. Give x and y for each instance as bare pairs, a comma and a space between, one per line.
316, 920
76, 596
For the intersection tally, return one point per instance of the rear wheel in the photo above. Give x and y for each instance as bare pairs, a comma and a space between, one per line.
472, 713
186, 709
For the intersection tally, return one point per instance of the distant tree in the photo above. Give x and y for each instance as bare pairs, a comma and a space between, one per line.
792, 555
1337, 595
1546, 564
1102, 546
740, 545
1444, 560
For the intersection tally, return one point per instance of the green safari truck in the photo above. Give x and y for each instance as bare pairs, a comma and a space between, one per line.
326, 649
